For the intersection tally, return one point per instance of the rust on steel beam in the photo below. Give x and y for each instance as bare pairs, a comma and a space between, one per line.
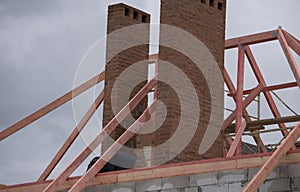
110, 152
251, 39
232, 89
289, 56
292, 42
267, 94
269, 88
245, 103
254, 124
106, 131
50, 107
239, 98
274, 160
90, 112
237, 140
164, 171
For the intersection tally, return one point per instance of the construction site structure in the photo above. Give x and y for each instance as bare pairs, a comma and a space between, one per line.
230, 164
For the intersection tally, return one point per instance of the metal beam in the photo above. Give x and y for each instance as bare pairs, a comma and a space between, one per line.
274, 160
50, 107
251, 39
106, 131
90, 112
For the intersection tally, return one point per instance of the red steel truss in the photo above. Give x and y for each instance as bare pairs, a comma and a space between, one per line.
233, 147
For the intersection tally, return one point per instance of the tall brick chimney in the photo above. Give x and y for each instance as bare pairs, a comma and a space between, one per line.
205, 19
121, 16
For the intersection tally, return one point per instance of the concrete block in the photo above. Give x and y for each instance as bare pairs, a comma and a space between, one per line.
149, 185
275, 174
294, 170
191, 189
296, 183
284, 172
252, 172
123, 187
233, 176
235, 187
214, 188
276, 185
203, 179
97, 188
176, 182
173, 190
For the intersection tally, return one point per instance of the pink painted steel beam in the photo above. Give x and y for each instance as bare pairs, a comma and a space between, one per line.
239, 96
261, 80
129, 133
289, 56
101, 136
237, 139
251, 39
53, 105
274, 160
72, 137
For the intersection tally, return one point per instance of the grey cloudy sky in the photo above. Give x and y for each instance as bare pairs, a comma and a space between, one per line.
43, 42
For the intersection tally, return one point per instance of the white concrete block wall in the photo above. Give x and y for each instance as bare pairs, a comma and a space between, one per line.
285, 178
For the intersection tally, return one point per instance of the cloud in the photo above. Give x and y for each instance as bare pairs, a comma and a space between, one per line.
42, 44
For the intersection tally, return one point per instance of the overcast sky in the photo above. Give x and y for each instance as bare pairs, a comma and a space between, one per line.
43, 42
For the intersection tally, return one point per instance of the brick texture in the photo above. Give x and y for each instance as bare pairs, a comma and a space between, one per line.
203, 19
119, 17
206, 21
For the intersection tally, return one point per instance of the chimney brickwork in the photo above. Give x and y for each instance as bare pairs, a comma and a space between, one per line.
206, 21
121, 16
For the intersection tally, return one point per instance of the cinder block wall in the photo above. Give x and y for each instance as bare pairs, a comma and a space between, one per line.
283, 178
205, 19
119, 17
